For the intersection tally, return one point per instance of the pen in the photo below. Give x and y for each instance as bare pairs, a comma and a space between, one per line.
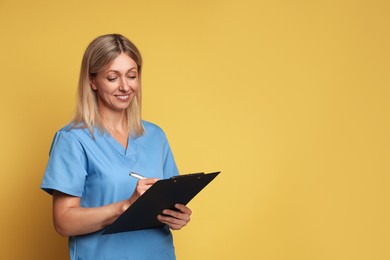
136, 175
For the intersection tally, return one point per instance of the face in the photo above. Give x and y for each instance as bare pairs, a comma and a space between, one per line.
116, 84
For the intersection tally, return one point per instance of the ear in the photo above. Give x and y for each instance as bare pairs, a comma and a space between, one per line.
92, 84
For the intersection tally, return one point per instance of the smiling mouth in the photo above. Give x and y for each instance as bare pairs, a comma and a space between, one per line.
123, 97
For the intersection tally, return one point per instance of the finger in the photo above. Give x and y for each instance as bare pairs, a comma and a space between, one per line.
173, 223
177, 215
173, 220
148, 181
183, 208
175, 227
144, 184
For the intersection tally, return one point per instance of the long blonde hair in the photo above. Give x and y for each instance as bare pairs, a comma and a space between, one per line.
100, 52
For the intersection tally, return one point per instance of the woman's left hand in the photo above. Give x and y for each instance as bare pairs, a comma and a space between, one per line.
176, 219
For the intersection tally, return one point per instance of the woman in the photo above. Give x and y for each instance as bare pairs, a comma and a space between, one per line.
91, 158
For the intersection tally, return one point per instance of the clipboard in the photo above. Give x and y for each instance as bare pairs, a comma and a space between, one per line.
163, 194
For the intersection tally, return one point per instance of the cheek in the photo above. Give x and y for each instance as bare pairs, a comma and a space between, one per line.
103, 93
134, 86
105, 88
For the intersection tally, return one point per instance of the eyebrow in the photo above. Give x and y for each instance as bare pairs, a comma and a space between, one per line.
129, 70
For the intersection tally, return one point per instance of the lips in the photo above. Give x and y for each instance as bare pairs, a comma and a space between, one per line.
123, 97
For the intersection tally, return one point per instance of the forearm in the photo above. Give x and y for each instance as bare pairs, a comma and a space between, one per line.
75, 220
71, 219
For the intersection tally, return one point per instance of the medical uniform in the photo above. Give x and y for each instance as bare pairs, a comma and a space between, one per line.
96, 169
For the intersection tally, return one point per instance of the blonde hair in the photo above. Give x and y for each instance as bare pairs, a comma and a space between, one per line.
100, 52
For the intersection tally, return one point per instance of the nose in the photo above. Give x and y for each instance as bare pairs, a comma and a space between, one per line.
124, 85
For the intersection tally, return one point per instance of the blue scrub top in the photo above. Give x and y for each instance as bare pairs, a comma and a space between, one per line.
96, 169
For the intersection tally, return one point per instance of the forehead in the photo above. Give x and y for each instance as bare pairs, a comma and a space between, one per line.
123, 62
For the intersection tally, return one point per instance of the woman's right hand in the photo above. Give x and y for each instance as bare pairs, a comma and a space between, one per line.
142, 186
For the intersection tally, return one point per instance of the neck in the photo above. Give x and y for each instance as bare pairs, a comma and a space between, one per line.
116, 125
114, 122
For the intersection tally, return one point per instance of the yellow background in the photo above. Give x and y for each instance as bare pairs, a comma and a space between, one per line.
289, 99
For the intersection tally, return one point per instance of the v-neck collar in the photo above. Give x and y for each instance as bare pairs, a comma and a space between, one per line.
131, 145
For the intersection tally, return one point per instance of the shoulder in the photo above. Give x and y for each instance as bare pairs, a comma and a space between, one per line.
71, 135
75, 131
153, 132
151, 128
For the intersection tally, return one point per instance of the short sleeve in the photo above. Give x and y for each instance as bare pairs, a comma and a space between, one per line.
66, 168
170, 168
